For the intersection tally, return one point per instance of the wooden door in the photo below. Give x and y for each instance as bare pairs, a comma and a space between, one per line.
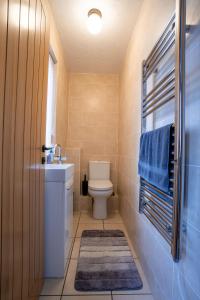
24, 49
3, 42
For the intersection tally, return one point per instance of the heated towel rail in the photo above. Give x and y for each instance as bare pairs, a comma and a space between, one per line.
164, 209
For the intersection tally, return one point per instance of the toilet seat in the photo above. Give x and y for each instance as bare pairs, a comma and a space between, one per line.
100, 185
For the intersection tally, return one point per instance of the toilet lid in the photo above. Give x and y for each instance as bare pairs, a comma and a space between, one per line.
100, 185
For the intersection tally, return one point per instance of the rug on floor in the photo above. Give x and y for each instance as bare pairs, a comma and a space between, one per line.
106, 263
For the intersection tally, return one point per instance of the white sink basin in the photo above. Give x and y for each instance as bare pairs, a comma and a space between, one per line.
58, 172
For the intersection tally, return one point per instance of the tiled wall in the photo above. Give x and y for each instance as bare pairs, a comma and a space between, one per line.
93, 119
169, 280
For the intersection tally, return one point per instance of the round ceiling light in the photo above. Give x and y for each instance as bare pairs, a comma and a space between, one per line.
94, 21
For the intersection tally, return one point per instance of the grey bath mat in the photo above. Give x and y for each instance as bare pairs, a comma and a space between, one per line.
106, 263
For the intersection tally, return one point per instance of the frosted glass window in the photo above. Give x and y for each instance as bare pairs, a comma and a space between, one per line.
51, 104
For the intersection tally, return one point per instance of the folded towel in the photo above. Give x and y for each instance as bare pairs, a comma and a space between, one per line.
154, 157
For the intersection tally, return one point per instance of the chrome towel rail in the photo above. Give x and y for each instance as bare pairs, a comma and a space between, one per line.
163, 210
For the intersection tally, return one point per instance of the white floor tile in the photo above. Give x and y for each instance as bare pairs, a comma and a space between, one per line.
52, 287
90, 226
144, 290
114, 226
76, 214
69, 283
76, 247
88, 297
87, 218
132, 297
49, 297
114, 218
75, 222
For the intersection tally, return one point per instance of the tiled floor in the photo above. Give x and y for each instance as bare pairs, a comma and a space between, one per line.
63, 289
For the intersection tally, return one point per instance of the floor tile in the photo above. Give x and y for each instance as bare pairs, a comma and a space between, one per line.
132, 297
90, 226
76, 214
114, 218
52, 287
69, 283
88, 297
75, 222
76, 247
144, 290
86, 218
113, 226
49, 297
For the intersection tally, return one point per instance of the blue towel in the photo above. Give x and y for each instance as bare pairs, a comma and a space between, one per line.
155, 156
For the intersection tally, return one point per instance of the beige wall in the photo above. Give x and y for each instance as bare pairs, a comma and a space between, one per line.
61, 82
153, 17
93, 119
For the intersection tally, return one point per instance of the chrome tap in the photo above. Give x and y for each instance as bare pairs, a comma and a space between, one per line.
58, 146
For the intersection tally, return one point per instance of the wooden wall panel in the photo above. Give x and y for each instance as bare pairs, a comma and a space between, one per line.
36, 179
39, 196
24, 45
3, 44
27, 148
19, 150
45, 30
8, 150
32, 289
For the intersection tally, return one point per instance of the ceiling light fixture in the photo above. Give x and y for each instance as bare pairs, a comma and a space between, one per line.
94, 21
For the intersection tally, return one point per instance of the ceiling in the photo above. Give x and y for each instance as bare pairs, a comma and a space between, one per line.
102, 53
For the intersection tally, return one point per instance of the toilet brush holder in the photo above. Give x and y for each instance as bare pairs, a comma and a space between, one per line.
85, 186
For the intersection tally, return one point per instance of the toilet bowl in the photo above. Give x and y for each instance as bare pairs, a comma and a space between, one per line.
100, 188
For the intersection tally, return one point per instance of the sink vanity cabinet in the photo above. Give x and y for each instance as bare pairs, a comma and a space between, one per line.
58, 217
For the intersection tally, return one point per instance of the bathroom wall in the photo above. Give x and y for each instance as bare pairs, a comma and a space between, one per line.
93, 119
168, 280
61, 81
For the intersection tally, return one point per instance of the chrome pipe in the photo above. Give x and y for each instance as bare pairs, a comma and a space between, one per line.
143, 124
160, 90
162, 81
169, 214
156, 189
163, 53
171, 22
158, 227
159, 220
180, 126
161, 202
158, 105
164, 94
160, 51
161, 214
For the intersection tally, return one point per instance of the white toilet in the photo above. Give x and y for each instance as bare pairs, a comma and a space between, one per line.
100, 187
